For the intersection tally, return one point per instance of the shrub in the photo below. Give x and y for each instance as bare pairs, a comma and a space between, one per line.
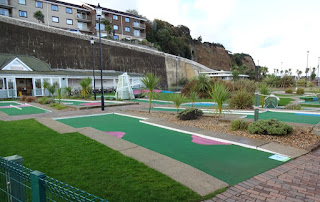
309, 84
190, 114
177, 100
23, 98
30, 98
288, 90
269, 127
300, 91
249, 85
58, 106
140, 95
239, 124
293, 107
241, 100
301, 82
45, 100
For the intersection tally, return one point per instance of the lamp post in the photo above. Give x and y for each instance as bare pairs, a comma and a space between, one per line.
94, 78
176, 73
99, 13
318, 70
307, 68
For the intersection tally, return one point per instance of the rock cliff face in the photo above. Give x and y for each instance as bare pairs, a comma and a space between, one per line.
216, 57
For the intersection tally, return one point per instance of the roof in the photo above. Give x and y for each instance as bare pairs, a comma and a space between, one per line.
32, 62
68, 73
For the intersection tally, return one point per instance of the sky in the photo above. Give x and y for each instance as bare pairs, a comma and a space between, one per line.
273, 32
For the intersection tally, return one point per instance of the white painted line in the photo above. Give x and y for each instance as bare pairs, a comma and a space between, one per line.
137, 117
200, 135
71, 117
15, 107
156, 100
39, 108
269, 151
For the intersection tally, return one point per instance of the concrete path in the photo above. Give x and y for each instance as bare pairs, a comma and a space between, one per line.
297, 180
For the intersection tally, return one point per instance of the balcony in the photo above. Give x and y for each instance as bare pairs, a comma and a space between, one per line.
82, 17
5, 4
139, 26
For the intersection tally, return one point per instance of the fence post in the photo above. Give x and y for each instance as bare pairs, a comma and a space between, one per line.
37, 189
256, 107
15, 188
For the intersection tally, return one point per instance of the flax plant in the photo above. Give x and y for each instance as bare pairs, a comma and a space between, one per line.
177, 100
150, 81
219, 93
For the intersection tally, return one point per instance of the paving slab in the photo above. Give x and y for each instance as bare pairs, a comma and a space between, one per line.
285, 150
189, 176
57, 126
316, 129
106, 139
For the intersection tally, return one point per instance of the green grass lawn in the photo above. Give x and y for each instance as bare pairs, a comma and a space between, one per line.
166, 97
89, 165
284, 101
285, 95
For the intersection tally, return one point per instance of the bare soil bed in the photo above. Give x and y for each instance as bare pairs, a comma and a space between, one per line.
301, 137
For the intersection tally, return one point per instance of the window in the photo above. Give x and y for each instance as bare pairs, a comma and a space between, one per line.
127, 29
102, 27
4, 12
55, 19
22, 2
127, 19
115, 17
68, 10
69, 22
115, 37
39, 4
80, 25
23, 14
136, 24
2, 84
115, 27
136, 33
54, 7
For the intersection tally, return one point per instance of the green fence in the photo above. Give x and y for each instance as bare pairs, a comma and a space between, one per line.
18, 183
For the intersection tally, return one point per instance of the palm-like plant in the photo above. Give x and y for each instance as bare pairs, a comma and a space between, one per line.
193, 97
264, 90
219, 93
177, 100
68, 91
85, 84
52, 89
59, 94
150, 81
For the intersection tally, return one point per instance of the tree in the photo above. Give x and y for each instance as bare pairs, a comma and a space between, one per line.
193, 97
150, 81
235, 74
52, 88
59, 94
177, 99
85, 84
68, 91
219, 93
200, 39
107, 26
313, 73
39, 16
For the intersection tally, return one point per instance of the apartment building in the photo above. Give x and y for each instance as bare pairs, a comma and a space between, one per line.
76, 17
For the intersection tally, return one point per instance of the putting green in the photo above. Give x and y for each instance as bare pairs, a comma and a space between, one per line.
229, 163
289, 117
153, 102
25, 110
82, 103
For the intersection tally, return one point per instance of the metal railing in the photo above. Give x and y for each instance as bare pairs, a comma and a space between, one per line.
18, 183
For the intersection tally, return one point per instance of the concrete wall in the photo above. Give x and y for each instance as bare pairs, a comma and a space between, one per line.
66, 50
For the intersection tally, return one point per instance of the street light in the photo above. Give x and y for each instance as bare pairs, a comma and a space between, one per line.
94, 78
318, 70
99, 13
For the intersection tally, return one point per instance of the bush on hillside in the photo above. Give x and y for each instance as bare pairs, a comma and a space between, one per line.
269, 127
288, 90
190, 114
239, 124
300, 91
241, 100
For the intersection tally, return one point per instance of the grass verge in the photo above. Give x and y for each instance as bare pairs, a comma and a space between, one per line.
89, 165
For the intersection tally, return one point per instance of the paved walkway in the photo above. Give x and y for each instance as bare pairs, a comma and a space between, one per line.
297, 180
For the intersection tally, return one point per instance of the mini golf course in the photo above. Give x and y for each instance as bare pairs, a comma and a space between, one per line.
289, 117
227, 162
15, 109
81, 103
153, 101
